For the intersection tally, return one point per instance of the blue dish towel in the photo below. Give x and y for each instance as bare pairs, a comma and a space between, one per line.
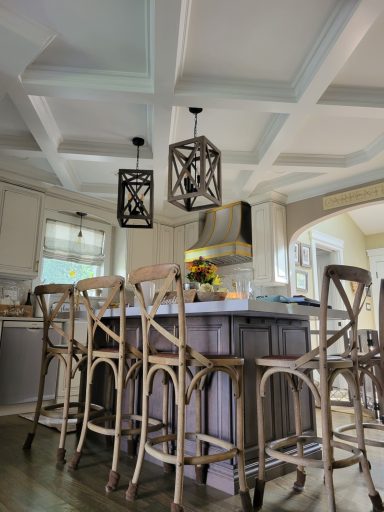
273, 298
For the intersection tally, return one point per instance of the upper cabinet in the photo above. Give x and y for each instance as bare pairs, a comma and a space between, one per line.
164, 244
269, 244
21, 212
142, 247
184, 238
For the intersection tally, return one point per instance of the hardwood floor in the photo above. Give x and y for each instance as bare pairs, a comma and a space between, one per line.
31, 481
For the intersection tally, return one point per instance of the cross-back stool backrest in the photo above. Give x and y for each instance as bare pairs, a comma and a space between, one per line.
64, 294
114, 287
169, 275
339, 274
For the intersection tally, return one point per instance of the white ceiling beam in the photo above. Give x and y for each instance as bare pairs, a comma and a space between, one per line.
40, 122
91, 85
168, 19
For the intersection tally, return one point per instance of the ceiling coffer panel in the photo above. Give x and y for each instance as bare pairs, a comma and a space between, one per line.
227, 236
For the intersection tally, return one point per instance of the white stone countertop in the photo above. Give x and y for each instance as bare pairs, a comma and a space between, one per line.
238, 307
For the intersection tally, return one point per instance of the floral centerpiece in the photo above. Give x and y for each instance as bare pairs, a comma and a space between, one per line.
203, 272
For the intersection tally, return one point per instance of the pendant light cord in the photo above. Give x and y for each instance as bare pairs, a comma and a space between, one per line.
137, 158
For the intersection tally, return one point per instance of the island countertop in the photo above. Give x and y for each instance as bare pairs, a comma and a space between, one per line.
235, 307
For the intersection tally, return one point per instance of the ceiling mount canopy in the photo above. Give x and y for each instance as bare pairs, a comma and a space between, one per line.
194, 172
135, 195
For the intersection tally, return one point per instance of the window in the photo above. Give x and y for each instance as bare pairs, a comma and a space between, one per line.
67, 258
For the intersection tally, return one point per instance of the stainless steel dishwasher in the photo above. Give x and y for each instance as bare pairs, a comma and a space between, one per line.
20, 359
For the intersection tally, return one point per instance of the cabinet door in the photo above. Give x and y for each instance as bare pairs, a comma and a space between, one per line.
20, 231
178, 249
191, 234
142, 247
165, 244
269, 244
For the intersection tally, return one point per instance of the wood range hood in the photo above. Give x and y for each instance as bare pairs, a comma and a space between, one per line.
227, 236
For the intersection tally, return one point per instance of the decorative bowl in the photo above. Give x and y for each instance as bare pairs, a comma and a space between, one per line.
210, 296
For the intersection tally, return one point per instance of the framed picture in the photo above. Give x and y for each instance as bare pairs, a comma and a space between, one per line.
296, 252
305, 255
301, 281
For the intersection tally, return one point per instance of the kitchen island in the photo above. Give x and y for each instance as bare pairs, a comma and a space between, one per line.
247, 329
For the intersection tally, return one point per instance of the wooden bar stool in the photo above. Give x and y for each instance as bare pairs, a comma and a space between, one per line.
371, 366
178, 363
297, 370
125, 362
71, 353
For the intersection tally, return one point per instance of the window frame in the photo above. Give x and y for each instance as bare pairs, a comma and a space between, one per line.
89, 223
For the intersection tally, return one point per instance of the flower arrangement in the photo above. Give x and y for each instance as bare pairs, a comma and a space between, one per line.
203, 271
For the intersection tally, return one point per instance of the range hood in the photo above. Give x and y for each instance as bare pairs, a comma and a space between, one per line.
227, 236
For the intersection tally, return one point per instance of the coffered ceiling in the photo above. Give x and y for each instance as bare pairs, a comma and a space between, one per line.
292, 91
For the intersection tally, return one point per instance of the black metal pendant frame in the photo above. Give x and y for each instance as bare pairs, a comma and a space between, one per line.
133, 211
194, 174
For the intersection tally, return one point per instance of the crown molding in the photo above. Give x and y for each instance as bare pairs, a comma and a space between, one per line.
271, 196
284, 181
368, 178
311, 160
353, 96
244, 90
83, 149
89, 79
19, 143
20, 175
342, 161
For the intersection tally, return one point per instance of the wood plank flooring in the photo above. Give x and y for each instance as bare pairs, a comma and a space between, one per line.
30, 481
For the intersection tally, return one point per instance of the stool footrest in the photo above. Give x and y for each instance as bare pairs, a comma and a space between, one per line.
229, 452
273, 449
339, 433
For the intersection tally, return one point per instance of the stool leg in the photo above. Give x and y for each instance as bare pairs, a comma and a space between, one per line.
131, 492
298, 486
60, 459
74, 462
326, 441
168, 468
130, 410
114, 476
199, 469
260, 480
244, 491
43, 372
177, 505
372, 492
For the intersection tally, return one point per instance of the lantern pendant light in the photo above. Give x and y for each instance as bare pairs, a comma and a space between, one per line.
135, 195
194, 172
